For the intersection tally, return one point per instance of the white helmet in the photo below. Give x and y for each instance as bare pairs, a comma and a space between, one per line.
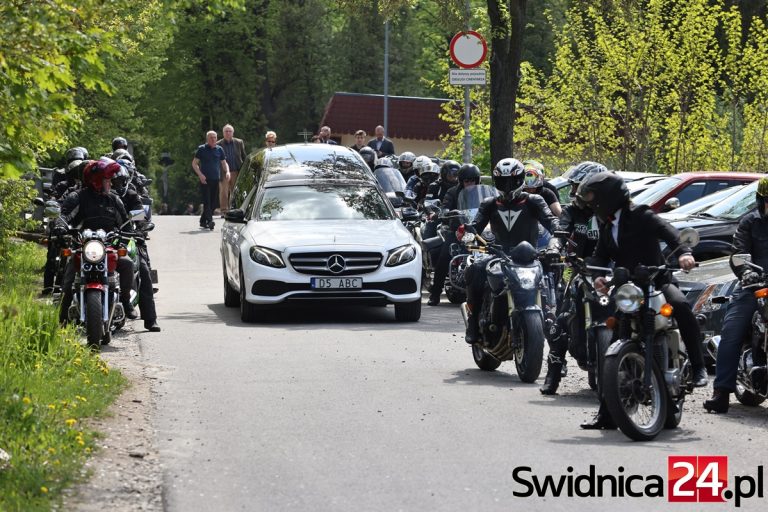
422, 163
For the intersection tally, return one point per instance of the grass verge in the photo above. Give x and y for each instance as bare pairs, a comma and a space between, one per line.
49, 382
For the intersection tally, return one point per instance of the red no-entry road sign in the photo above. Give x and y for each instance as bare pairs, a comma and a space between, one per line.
468, 49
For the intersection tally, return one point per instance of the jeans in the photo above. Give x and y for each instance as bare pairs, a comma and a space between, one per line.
210, 200
736, 325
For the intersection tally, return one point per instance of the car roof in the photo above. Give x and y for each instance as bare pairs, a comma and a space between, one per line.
293, 181
717, 175
315, 162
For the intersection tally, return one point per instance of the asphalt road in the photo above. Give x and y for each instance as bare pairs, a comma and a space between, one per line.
331, 408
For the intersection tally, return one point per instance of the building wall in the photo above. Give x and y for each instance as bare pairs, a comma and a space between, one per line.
418, 147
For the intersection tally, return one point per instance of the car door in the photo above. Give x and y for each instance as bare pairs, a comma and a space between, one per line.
234, 238
691, 191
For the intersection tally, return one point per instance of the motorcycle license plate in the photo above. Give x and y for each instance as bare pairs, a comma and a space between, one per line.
336, 283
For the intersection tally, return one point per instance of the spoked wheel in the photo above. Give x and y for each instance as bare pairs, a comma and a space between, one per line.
530, 353
639, 412
483, 359
675, 413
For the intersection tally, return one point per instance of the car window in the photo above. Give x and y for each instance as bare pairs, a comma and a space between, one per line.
707, 201
657, 191
715, 185
564, 194
691, 192
326, 201
246, 179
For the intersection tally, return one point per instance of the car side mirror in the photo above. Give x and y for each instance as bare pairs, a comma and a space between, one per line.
690, 237
236, 215
671, 203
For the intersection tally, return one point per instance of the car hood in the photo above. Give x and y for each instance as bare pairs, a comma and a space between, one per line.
377, 234
708, 272
701, 222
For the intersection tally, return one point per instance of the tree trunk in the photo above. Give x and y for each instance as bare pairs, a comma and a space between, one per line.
507, 24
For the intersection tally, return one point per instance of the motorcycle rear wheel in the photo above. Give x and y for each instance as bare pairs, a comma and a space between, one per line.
483, 359
639, 414
746, 397
455, 296
529, 358
94, 324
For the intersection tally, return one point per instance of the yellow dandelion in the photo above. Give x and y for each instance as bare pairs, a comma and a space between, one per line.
71, 422
44, 490
26, 400
52, 450
52, 407
80, 441
87, 450
81, 398
77, 361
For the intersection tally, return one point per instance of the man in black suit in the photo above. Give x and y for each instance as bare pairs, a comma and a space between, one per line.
630, 237
324, 136
382, 145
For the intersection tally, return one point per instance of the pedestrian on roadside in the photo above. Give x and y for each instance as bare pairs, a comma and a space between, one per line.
209, 164
359, 144
270, 139
324, 137
382, 145
234, 152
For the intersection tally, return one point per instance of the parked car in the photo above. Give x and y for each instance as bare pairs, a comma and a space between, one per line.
700, 204
681, 189
318, 229
712, 278
717, 224
636, 181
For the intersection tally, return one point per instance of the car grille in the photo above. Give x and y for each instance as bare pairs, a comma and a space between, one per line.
317, 263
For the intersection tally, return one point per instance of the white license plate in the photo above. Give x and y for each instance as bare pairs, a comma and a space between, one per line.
336, 283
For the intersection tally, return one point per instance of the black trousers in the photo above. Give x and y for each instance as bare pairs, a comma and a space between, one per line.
210, 199
686, 322
146, 295
442, 264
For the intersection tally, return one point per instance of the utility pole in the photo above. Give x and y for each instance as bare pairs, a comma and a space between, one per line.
467, 135
386, 77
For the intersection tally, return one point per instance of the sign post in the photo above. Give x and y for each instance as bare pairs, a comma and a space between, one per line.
468, 51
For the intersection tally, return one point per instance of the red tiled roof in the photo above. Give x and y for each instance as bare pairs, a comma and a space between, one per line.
409, 118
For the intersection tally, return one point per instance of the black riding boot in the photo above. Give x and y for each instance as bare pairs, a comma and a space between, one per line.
554, 374
473, 330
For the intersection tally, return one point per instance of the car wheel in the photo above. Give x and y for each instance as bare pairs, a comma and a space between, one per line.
231, 297
408, 311
248, 311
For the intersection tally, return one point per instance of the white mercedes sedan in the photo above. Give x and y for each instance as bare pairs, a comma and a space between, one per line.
312, 234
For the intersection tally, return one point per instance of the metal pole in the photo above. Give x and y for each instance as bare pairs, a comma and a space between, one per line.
467, 135
386, 77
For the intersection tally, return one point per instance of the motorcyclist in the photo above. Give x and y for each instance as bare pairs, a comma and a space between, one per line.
449, 177
468, 176
584, 230
751, 238
514, 217
630, 237
369, 155
535, 184
119, 143
416, 187
126, 191
95, 207
405, 164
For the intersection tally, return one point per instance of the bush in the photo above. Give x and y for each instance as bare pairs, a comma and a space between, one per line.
15, 198
49, 382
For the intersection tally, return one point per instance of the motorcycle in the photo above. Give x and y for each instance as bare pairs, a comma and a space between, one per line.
511, 320
751, 376
96, 289
647, 374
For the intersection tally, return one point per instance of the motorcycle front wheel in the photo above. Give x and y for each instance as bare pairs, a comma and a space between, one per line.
529, 357
94, 323
639, 413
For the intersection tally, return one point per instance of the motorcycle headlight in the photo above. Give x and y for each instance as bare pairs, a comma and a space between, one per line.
400, 255
628, 298
526, 277
93, 251
267, 257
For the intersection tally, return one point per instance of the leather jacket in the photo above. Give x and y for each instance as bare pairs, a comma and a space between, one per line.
751, 237
93, 210
583, 227
515, 220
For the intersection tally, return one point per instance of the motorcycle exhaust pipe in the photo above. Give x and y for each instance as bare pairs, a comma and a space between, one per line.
464, 313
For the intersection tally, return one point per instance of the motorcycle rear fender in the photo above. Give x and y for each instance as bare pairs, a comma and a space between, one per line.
94, 286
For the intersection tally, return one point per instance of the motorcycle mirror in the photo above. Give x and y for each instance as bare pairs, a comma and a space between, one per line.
38, 201
562, 234
138, 214
149, 226
739, 260
409, 214
432, 203
690, 237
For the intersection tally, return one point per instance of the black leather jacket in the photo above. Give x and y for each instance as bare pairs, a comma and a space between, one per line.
516, 220
583, 227
93, 210
751, 237
437, 189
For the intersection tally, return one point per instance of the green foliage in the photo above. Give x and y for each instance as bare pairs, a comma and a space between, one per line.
15, 199
49, 382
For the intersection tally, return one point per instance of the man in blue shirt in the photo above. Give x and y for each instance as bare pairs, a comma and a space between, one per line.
210, 164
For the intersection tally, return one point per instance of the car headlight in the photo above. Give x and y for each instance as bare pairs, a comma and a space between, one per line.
526, 277
93, 251
267, 257
628, 298
400, 255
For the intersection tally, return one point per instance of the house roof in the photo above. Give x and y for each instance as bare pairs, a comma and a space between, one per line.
409, 117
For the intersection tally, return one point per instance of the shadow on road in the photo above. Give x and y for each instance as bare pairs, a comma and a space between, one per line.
476, 377
616, 438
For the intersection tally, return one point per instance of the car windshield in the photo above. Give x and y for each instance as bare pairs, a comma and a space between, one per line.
328, 201
735, 205
656, 192
705, 202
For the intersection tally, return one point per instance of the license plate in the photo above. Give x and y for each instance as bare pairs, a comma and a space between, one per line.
336, 283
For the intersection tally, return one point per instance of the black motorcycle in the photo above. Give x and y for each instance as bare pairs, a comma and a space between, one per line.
511, 320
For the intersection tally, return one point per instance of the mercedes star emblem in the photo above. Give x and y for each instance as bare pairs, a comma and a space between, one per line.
336, 263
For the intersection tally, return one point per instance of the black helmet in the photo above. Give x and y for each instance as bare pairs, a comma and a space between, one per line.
449, 171
761, 195
581, 171
508, 175
121, 154
118, 143
369, 155
76, 153
121, 178
604, 193
469, 172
